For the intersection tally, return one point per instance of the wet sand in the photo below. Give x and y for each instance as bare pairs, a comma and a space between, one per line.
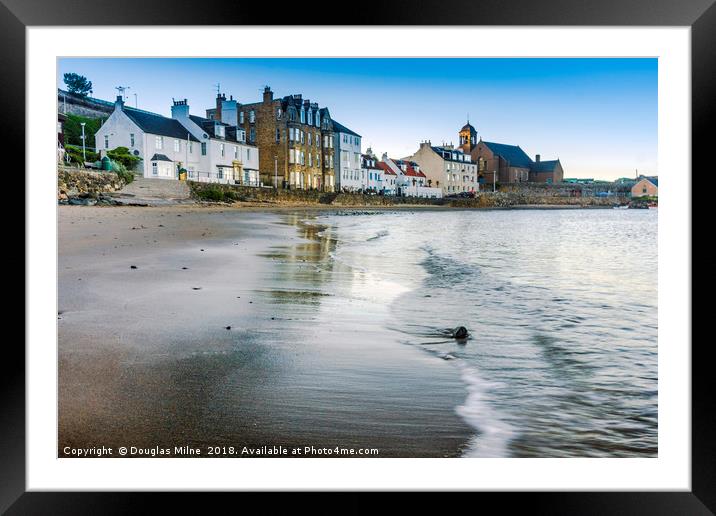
146, 359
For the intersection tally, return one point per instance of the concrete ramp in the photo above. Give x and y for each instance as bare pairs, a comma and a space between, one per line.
154, 192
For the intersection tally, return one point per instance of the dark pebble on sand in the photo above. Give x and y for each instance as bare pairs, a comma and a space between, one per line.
196, 288
201, 249
228, 327
184, 268
132, 266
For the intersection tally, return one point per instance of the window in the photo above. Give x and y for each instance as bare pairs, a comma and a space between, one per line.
241, 117
236, 152
303, 116
177, 148
106, 142
191, 147
292, 156
248, 154
158, 142
310, 117
252, 116
154, 168
278, 134
221, 149
310, 159
252, 134
131, 139
318, 119
310, 135
203, 148
221, 173
278, 113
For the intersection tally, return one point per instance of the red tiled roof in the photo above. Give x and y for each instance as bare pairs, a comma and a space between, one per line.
410, 171
386, 168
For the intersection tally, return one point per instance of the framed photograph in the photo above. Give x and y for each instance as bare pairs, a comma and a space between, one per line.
425, 251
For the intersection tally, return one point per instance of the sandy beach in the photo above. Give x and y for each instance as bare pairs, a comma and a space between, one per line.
195, 326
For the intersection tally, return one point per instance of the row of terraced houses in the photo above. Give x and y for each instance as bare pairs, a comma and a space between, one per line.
291, 142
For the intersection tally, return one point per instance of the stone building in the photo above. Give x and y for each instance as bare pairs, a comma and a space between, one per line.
510, 164
294, 137
447, 168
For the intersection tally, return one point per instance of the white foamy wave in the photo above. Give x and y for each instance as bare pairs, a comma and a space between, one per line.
494, 433
379, 234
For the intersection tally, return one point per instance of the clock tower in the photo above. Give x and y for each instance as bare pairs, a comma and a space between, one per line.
468, 138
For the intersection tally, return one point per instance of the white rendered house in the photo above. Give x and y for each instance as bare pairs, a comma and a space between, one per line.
411, 181
372, 173
348, 159
215, 154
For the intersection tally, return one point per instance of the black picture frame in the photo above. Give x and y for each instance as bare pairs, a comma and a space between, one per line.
700, 15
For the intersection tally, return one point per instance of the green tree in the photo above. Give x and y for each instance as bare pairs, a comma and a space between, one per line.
78, 84
72, 130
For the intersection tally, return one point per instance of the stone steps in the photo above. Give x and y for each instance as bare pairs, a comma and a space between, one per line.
146, 192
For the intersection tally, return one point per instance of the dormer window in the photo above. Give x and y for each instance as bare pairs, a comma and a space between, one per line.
318, 119
310, 117
303, 116
219, 131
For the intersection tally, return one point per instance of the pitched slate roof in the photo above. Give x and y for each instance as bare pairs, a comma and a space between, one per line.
512, 153
366, 158
339, 128
158, 124
441, 151
207, 125
544, 166
160, 157
652, 179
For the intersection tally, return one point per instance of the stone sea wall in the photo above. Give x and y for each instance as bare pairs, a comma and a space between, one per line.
77, 183
514, 196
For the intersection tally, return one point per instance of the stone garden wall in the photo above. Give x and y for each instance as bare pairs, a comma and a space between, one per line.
85, 184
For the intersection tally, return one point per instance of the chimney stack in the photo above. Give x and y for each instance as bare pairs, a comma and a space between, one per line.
268, 94
537, 158
119, 103
180, 109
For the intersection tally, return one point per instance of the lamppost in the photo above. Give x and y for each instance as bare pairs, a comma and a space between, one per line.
84, 158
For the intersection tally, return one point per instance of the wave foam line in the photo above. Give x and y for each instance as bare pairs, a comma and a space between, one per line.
494, 433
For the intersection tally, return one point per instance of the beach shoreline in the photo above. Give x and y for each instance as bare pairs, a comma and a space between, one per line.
205, 326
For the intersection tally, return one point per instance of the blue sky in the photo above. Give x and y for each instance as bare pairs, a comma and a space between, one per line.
598, 115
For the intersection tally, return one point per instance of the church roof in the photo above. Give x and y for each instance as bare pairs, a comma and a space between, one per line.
469, 127
512, 153
544, 166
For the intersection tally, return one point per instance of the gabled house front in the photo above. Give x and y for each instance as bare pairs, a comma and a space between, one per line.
209, 151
